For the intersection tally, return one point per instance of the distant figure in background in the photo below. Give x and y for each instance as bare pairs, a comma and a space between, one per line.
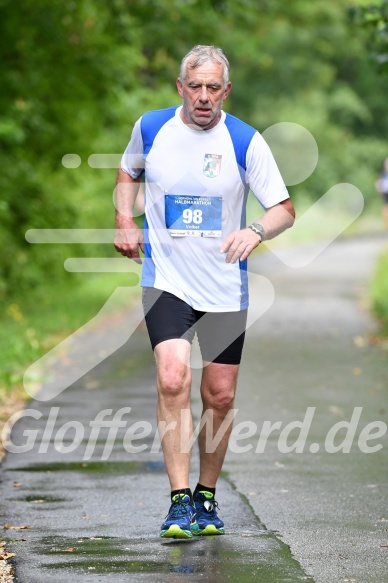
381, 185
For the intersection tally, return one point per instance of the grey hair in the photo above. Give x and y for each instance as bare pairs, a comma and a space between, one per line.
201, 54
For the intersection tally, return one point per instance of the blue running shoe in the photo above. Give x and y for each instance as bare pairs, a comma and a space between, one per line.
179, 519
207, 520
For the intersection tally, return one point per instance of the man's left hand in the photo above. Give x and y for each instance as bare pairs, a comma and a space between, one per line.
240, 244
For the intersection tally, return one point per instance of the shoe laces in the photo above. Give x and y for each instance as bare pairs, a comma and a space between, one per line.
178, 507
210, 506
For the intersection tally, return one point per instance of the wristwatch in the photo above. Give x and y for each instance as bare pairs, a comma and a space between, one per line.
258, 229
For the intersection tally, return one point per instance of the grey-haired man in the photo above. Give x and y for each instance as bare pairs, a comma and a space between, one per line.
199, 165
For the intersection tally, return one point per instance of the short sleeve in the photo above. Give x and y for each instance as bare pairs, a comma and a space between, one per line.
263, 175
132, 161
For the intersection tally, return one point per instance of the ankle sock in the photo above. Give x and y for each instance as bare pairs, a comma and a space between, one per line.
182, 491
202, 488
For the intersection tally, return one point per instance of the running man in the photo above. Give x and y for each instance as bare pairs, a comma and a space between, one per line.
199, 164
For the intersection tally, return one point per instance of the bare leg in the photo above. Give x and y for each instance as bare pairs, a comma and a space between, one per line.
174, 383
218, 389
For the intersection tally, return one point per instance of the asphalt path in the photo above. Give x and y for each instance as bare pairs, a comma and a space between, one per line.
301, 496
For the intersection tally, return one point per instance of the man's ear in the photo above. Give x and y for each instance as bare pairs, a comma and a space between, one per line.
179, 87
227, 89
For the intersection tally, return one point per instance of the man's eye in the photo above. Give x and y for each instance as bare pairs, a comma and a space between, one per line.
212, 88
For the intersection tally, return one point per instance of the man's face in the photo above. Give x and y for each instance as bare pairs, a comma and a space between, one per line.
203, 93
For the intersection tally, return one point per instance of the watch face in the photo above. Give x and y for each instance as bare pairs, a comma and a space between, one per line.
259, 229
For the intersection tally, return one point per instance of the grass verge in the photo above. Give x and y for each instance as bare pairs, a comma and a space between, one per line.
379, 293
31, 326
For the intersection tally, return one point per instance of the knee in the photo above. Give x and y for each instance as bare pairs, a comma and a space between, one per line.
174, 383
220, 399
223, 402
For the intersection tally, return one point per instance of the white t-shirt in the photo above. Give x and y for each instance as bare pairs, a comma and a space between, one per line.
196, 187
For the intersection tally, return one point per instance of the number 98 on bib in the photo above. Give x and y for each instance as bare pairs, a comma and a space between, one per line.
198, 216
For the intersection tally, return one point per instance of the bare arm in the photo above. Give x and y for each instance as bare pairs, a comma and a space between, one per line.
240, 244
129, 237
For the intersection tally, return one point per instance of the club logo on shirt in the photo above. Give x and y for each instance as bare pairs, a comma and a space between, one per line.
212, 165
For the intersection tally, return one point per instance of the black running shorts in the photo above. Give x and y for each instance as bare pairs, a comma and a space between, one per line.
220, 334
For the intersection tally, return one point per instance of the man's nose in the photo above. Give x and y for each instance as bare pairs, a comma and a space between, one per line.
204, 94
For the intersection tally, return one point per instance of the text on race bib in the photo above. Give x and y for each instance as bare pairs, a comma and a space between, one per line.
198, 216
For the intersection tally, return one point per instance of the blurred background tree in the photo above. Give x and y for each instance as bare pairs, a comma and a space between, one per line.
374, 18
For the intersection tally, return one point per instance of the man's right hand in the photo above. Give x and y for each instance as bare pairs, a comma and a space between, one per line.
129, 239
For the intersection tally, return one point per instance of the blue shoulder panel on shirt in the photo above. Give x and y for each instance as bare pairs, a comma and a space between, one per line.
241, 134
151, 122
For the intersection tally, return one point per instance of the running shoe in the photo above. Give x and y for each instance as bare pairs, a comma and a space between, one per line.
179, 519
207, 521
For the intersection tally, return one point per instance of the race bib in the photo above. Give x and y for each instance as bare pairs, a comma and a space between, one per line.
198, 216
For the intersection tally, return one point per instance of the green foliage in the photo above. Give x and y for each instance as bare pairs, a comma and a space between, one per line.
374, 18
379, 292
27, 333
